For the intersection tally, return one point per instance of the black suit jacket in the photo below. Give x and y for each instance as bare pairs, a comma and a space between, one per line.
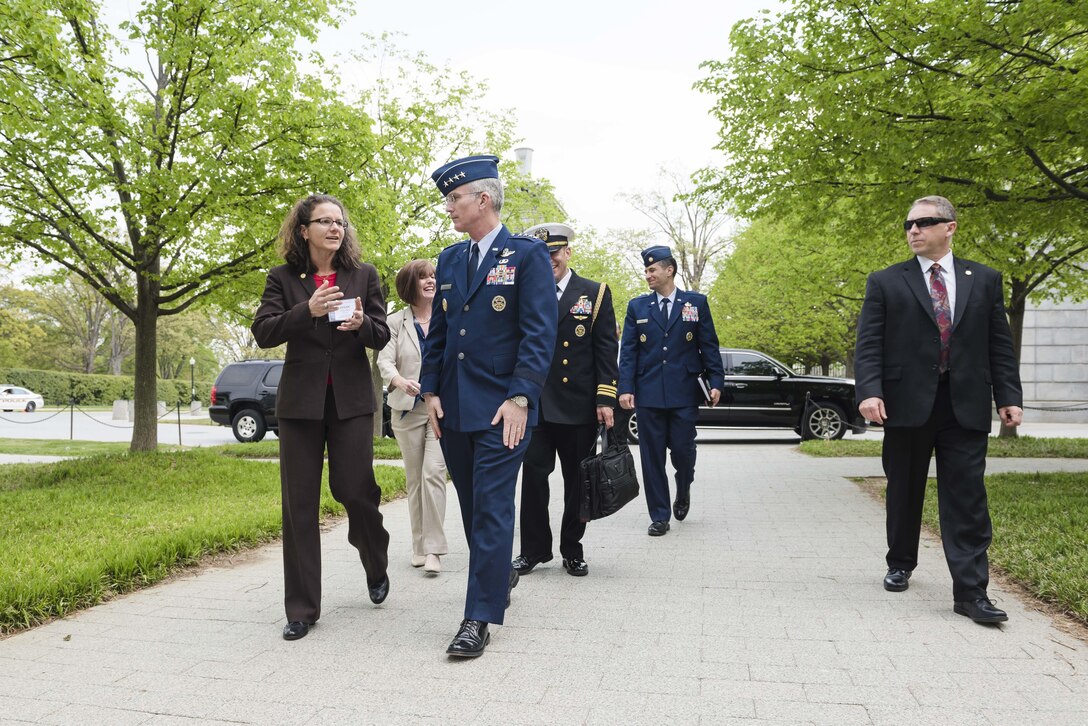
315, 348
898, 346
583, 370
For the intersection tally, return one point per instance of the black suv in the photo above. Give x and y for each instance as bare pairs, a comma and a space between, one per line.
244, 398
761, 392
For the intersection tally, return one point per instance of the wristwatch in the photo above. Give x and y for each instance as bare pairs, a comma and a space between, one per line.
520, 401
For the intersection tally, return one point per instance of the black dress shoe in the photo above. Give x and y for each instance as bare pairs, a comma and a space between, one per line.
295, 629
981, 610
524, 565
576, 566
513, 583
680, 507
380, 591
657, 529
470, 640
896, 580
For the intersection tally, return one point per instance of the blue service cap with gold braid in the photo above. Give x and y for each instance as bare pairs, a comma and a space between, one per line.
556, 236
650, 255
453, 174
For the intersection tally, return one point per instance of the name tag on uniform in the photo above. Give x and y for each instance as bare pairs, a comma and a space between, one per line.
502, 275
447, 286
640, 321
689, 313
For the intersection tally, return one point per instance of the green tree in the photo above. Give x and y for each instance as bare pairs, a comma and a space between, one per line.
77, 316
869, 105
782, 293
691, 221
528, 201
20, 335
194, 159
185, 336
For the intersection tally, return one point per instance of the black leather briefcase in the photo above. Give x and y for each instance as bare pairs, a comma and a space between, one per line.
608, 479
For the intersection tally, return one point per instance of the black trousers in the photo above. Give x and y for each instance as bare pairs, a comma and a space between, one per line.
572, 443
351, 478
966, 531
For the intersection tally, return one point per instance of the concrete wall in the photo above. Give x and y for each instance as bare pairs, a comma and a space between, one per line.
1054, 362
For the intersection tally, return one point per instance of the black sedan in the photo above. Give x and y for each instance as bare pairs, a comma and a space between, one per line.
763, 393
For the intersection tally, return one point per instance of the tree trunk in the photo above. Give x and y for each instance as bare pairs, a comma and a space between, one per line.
1017, 306
117, 344
145, 429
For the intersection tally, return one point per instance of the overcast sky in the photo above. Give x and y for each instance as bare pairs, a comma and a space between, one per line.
601, 91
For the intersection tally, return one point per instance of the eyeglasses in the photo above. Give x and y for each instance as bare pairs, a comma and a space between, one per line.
923, 222
454, 197
329, 221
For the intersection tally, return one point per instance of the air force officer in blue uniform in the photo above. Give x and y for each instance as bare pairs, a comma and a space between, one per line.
668, 342
493, 328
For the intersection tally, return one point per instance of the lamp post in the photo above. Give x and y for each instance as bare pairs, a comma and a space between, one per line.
192, 379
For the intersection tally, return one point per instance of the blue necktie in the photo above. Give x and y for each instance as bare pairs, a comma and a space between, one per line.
473, 263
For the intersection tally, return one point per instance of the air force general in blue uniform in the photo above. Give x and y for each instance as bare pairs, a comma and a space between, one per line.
662, 356
493, 328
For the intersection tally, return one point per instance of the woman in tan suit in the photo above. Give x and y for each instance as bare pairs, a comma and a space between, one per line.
325, 397
399, 362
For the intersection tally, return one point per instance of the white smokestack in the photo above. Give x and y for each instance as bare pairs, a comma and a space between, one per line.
524, 155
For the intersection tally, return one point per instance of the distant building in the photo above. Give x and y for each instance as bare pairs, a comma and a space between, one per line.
1054, 362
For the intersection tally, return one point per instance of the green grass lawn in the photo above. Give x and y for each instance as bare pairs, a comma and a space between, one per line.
1040, 533
1027, 447
267, 449
76, 532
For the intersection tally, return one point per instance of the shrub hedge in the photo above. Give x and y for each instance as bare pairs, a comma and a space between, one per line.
90, 389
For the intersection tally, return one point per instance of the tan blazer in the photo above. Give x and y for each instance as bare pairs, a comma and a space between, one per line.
400, 358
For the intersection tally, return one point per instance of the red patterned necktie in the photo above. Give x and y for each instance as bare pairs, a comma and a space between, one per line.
939, 293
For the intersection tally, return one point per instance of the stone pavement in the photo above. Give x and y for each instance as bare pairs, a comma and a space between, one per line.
764, 607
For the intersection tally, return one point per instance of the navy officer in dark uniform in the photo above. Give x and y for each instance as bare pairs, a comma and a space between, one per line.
580, 394
492, 333
668, 342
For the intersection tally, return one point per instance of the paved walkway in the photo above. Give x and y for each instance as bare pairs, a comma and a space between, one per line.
764, 607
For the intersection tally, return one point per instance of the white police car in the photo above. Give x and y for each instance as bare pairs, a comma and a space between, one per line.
14, 398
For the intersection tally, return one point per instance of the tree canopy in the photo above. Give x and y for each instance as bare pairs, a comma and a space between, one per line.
176, 173
984, 100
847, 110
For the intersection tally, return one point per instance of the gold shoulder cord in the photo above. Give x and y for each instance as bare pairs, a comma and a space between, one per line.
597, 305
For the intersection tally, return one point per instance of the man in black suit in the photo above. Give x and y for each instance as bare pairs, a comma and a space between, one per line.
933, 348
580, 393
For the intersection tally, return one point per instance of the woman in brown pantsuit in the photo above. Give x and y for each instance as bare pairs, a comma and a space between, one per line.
325, 397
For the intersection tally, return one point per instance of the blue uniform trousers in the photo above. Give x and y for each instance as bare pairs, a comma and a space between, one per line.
659, 428
485, 474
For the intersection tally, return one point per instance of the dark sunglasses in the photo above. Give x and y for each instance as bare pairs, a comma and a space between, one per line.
923, 222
